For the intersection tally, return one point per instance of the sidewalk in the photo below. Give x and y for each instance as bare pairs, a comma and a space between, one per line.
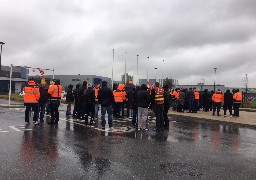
14, 104
247, 116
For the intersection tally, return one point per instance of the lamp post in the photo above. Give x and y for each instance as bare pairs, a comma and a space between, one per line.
163, 74
155, 74
147, 70
1, 43
215, 69
138, 83
125, 69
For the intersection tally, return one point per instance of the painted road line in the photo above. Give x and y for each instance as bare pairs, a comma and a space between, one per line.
14, 128
3, 131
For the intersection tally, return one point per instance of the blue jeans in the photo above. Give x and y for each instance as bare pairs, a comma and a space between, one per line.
109, 110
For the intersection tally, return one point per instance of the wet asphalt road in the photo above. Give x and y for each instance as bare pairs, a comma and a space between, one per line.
192, 149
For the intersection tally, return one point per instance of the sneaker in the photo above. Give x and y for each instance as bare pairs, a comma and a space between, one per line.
26, 123
36, 123
231, 116
111, 129
225, 116
138, 129
146, 129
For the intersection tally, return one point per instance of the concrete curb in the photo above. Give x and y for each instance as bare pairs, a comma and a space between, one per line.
247, 118
12, 106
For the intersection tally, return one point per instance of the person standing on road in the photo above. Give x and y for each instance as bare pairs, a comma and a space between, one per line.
55, 92
31, 97
217, 99
196, 100
42, 100
228, 102
89, 102
135, 106
106, 100
206, 97
80, 105
75, 94
167, 105
158, 102
190, 97
69, 99
143, 104
237, 102
97, 105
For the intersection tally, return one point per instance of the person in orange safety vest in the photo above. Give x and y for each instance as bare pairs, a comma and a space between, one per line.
119, 97
31, 97
158, 103
55, 92
217, 98
97, 105
196, 100
237, 97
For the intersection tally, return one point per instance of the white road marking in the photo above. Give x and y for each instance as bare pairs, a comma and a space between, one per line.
14, 128
4, 131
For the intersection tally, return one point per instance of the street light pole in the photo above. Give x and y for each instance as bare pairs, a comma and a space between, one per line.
215, 69
163, 74
246, 87
1, 43
125, 68
138, 82
147, 70
112, 87
155, 74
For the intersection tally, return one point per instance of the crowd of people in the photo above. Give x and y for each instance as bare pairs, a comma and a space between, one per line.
192, 100
121, 101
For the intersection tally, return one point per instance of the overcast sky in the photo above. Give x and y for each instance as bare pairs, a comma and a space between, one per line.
78, 37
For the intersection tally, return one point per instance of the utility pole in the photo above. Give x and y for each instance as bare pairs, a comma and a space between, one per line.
125, 69
215, 69
246, 88
138, 83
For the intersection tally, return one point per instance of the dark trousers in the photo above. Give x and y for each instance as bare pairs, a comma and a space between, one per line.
216, 106
227, 107
41, 110
54, 109
191, 105
135, 116
117, 109
236, 109
75, 109
80, 110
89, 111
165, 116
159, 109
195, 105
34, 107
206, 107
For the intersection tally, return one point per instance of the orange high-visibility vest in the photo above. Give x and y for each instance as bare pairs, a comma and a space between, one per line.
159, 95
175, 94
96, 90
196, 95
32, 94
55, 91
218, 98
238, 97
118, 96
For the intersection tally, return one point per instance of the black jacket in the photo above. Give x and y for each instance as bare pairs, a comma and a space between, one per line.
206, 97
70, 96
43, 95
106, 97
143, 99
81, 94
190, 95
89, 96
228, 98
